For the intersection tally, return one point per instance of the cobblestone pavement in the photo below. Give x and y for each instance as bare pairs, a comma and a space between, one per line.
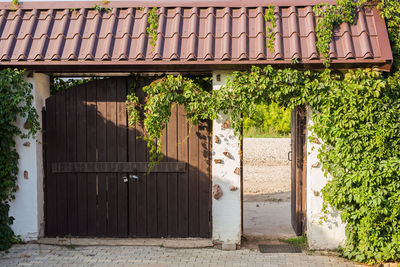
46, 255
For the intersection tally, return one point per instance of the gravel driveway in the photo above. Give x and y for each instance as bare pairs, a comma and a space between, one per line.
266, 169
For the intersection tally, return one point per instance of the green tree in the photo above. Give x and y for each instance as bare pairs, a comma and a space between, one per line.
267, 121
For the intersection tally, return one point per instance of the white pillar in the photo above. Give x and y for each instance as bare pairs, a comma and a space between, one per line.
27, 208
327, 234
226, 211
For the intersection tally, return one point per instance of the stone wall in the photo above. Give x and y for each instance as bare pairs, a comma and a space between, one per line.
27, 208
226, 210
327, 234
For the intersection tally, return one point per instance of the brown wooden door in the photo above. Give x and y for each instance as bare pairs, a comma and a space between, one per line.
96, 168
298, 170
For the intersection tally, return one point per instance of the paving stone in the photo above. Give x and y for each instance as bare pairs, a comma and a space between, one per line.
47, 255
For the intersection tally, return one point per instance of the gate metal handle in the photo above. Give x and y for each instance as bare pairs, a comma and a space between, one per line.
289, 156
131, 176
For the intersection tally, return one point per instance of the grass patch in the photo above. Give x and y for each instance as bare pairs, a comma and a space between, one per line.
299, 241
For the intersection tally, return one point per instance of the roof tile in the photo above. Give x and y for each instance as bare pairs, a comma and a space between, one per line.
218, 34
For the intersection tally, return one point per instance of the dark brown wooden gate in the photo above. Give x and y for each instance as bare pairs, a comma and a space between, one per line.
96, 168
298, 170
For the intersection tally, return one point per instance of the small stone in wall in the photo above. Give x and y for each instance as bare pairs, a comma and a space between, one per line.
216, 191
233, 188
27, 125
237, 171
27, 144
26, 175
226, 124
316, 193
315, 165
227, 154
217, 140
218, 161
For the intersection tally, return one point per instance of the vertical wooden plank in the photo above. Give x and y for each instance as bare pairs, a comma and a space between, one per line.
81, 157
45, 165
172, 135
51, 179
141, 184
193, 181
101, 212
183, 193
304, 169
151, 194
162, 193
122, 157
293, 169
111, 137
299, 171
151, 187
72, 196
204, 178
62, 186
241, 177
91, 153
132, 185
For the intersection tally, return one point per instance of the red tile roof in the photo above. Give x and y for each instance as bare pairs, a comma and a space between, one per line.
192, 35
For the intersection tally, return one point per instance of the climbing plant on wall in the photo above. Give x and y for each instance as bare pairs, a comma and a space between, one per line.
15, 102
356, 115
152, 20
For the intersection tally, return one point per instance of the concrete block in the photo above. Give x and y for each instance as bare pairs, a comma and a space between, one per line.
228, 246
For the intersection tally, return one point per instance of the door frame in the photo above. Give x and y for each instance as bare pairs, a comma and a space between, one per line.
298, 169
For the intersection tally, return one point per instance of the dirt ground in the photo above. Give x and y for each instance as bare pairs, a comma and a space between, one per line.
266, 188
266, 169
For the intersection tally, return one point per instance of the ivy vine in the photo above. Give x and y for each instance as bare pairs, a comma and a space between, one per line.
163, 93
14, 4
329, 16
390, 11
356, 115
102, 7
269, 17
152, 20
15, 102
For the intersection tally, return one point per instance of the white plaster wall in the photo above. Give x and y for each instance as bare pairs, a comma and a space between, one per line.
226, 211
328, 234
27, 208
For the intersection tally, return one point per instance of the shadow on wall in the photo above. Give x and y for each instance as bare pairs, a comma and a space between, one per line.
88, 123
